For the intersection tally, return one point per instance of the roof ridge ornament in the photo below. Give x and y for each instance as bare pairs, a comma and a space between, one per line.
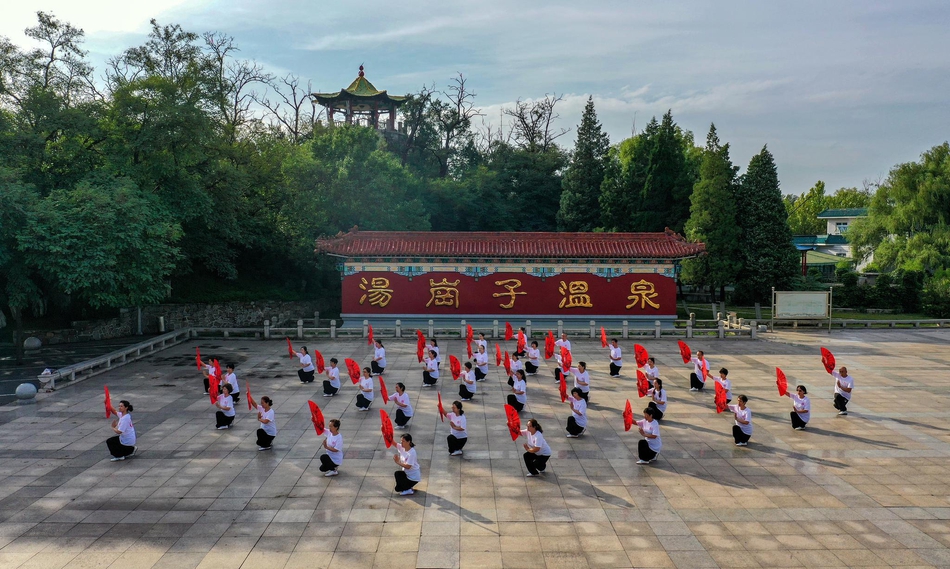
361, 70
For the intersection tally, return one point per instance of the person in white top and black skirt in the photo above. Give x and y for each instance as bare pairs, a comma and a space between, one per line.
268, 431
844, 384
649, 447
582, 380
481, 342
331, 385
457, 423
403, 406
658, 399
537, 452
697, 379
534, 359
379, 359
616, 358
801, 408
333, 459
430, 375
305, 373
577, 422
410, 473
519, 391
123, 444
651, 370
723, 380
742, 430
469, 386
481, 364
232, 380
562, 343
522, 354
367, 391
225, 414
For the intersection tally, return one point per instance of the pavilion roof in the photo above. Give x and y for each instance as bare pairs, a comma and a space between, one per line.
359, 89
542, 245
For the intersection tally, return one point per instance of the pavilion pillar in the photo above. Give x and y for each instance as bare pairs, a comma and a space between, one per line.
392, 117
349, 114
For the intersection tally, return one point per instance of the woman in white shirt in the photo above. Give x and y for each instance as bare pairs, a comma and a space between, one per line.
697, 379
481, 364
333, 459
405, 457
723, 380
123, 444
481, 342
431, 373
582, 380
650, 369
365, 397
225, 414
457, 423
537, 452
331, 385
534, 359
519, 391
434, 347
658, 399
801, 408
524, 332
232, 379
742, 430
616, 358
379, 359
469, 386
562, 343
844, 383
208, 371
268, 431
516, 364
305, 373
403, 406
649, 447
577, 422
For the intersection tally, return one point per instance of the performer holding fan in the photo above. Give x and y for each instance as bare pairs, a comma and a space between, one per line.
649, 447
616, 358
410, 473
333, 459
697, 379
122, 445
379, 359
457, 423
305, 373
742, 430
268, 430
468, 387
537, 452
801, 411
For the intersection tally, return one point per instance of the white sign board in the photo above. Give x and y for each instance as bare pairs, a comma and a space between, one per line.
801, 305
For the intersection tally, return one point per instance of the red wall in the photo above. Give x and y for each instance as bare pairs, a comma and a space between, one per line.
475, 297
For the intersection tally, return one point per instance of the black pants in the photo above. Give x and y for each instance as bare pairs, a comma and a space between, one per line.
513, 401
796, 420
326, 465
521, 354
644, 452
374, 366
455, 443
530, 368
427, 378
329, 389
585, 395
222, 419
739, 436
263, 439
479, 375
657, 414
401, 418
614, 369
207, 384
464, 393
362, 401
572, 426
511, 380
402, 481
236, 396
841, 404
557, 374
305, 376
535, 462
694, 382
118, 449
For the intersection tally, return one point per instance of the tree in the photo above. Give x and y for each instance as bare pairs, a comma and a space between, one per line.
532, 127
713, 219
803, 210
908, 222
19, 286
768, 257
580, 208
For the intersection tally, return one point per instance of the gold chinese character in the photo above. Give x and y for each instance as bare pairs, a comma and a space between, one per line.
575, 295
511, 285
444, 293
378, 293
642, 291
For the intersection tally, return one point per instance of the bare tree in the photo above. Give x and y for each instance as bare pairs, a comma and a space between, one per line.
532, 123
234, 78
453, 121
415, 114
293, 109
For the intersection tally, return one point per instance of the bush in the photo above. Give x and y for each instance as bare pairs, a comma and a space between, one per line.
935, 299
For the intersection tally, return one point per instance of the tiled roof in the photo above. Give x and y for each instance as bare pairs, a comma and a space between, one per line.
846, 212
355, 243
820, 240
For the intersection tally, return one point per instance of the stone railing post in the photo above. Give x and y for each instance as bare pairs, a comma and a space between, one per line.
657, 327
494, 329
267, 329
625, 333
300, 328
431, 333
398, 328
722, 331
692, 318
593, 334
689, 330
527, 328
753, 329
462, 330
365, 328
333, 328
560, 328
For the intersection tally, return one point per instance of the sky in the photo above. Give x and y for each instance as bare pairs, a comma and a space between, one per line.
840, 91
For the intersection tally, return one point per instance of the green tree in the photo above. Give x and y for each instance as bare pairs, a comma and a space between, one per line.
768, 257
20, 289
529, 185
580, 208
908, 223
803, 210
713, 219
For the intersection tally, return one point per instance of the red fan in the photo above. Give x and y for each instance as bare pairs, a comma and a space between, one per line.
198, 359
549, 345
110, 410
565, 360
383, 391
250, 400
420, 344
522, 342
828, 360
720, 398
509, 332
387, 427
507, 363
603, 337
353, 369
641, 354
705, 368
497, 355
643, 384
514, 422
781, 382
214, 383
685, 352
442, 412
290, 349
369, 337
627, 417
469, 334
318, 359
562, 387
455, 366
468, 346
316, 417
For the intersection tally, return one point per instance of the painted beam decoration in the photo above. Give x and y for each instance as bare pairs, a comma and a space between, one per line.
454, 293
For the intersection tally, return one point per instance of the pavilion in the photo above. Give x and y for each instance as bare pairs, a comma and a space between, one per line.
361, 103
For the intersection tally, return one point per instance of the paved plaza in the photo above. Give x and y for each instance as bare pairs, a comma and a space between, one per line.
871, 489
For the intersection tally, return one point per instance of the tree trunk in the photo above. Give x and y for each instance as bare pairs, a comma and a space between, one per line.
722, 292
17, 314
